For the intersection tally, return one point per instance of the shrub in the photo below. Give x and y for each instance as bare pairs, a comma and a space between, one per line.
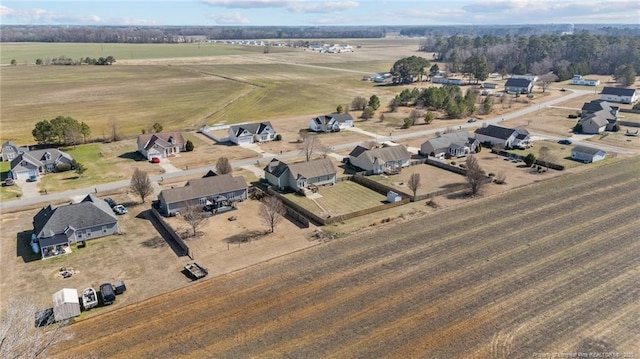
407, 123
63, 167
278, 137
189, 146
491, 174
453, 163
462, 165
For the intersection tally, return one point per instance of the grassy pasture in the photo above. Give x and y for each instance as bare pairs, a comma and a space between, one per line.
27, 53
343, 198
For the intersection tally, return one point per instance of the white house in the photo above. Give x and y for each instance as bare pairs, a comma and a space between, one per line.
579, 80
503, 136
252, 132
517, 85
587, 154
331, 123
620, 95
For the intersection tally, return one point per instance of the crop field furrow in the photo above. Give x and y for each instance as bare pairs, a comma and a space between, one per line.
454, 286
494, 271
327, 296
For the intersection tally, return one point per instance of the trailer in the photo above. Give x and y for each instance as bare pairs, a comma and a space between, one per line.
195, 271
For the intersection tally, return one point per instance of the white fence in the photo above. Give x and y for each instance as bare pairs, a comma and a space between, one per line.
207, 131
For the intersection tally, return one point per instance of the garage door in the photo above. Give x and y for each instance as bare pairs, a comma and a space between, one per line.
21, 174
243, 140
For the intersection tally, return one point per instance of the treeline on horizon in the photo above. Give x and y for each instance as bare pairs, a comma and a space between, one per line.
176, 34
565, 55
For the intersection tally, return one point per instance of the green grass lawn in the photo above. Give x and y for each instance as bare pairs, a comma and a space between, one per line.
11, 192
561, 153
343, 198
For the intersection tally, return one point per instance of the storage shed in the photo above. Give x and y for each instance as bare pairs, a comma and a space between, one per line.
65, 304
393, 197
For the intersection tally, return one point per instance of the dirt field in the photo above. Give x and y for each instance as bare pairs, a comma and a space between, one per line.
549, 268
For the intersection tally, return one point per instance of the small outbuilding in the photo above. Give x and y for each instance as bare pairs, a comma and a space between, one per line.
66, 304
587, 154
393, 197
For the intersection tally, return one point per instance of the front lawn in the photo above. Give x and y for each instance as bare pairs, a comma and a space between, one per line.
561, 154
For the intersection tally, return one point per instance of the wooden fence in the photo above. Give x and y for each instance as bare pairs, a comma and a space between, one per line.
174, 236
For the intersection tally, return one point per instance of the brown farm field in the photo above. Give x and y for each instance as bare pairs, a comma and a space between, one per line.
548, 268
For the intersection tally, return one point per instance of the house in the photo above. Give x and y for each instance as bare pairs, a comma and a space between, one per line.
379, 160
215, 191
593, 123
382, 77
35, 163
489, 85
518, 86
10, 151
161, 144
598, 116
251, 132
587, 154
446, 80
455, 144
57, 227
331, 123
503, 136
620, 95
66, 304
300, 175
532, 78
579, 80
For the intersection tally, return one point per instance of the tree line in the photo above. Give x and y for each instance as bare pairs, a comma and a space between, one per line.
176, 34
62, 130
66, 61
518, 30
564, 55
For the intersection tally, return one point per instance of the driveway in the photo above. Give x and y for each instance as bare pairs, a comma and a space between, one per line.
29, 189
167, 166
255, 148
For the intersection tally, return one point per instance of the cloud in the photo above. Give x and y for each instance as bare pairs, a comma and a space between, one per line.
125, 21
294, 6
41, 16
229, 19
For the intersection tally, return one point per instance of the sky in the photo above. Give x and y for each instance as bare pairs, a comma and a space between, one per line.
317, 13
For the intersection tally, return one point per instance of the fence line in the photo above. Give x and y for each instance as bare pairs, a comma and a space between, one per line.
175, 236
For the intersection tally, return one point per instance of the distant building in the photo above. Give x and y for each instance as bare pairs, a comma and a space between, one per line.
618, 94
446, 80
515, 85
579, 80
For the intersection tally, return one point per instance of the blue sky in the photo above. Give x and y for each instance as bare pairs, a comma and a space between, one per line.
317, 13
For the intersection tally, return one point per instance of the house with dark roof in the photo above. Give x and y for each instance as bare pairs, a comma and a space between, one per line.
252, 132
161, 144
503, 136
598, 116
10, 151
389, 159
213, 191
331, 123
38, 162
455, 144
587, 154
518, 85
618, 94
55, 228
300, 175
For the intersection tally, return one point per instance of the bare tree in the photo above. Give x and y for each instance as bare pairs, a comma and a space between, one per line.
369, 144
324, 151
414, 183
195, 217
113, 125
308, 146
302, 135
223, 166
359, 103
20, 337
141, 184
271, 211
475, 175
414, 116
545, 80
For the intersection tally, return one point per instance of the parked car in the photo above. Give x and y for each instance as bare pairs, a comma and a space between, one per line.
572, 115
120, 209
565, 141
155, 159
111, 202
471, 120
9, 182
32, 178
107, 293
563, 89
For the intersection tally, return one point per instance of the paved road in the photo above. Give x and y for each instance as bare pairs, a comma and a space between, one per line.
54, 197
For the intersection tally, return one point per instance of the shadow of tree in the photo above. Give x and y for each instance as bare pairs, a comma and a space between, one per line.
133, 155
246, 237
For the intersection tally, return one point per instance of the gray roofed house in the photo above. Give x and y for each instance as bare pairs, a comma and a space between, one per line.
379, 160
251, 132
161, 144
202, 192
455, 144
300, 175
618, 94
10, 151
57, 227
587, 154
331, 123
503, 136
37, 162
518, 86
598, 116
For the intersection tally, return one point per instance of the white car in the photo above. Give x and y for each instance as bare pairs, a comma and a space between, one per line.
120, 209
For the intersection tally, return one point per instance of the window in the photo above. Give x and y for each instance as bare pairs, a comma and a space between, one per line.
202, 200
104, 229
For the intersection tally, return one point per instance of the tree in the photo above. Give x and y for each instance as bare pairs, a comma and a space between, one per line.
414, 115
368, 113
188, 146
393, 104
43, 132
14, 62
359, 103
20, 338
223, 166
195, 217
475, 175
625, 75
272, 211
476, 66
545, 80
85, 131
113, 125
38, 61
487, 105
407, 69
381, 117
78, 167
433, 71
529, 159
141, 184
414, 183
308, 146
577, 128
340, 109
374, 102
429, 117
156, 127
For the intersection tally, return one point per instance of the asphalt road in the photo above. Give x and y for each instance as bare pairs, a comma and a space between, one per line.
54, 197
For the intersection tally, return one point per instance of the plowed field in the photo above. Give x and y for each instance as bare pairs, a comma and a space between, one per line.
544, 270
